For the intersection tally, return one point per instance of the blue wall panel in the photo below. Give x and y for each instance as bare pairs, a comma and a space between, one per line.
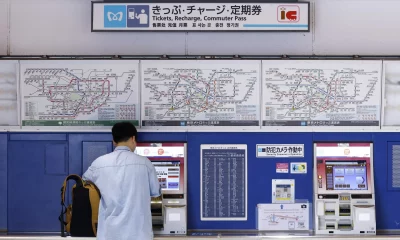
393, 164
33, 195
162, 136
76, 149
76, 153
259, 174
29, 166
92, 150
387, 211
3, 182
37, 137
342, 137
56, 162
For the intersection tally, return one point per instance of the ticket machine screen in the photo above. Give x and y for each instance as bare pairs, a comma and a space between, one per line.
168, 174
168, 160
343, 167
345, 175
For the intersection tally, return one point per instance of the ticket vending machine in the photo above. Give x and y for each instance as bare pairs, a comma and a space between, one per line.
344, 196
169, 210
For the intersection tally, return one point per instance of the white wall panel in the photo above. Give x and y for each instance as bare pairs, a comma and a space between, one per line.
357, 27
342, 27
64, 27
268, 43
255, 43
3, 27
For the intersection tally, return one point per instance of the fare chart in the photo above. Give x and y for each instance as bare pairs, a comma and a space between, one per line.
223, 182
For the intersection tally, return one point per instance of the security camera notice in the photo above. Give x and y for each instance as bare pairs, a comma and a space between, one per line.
280, 150
200, 17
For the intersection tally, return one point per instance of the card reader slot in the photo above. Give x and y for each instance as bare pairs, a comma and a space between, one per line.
329, 212
344, 210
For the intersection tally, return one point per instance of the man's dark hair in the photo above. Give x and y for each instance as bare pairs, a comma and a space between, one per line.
122, 131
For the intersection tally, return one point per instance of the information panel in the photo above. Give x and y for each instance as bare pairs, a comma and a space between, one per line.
195, 16
283, 217
223, 182
79, 93
391, 113
168, 174
8, 93
200, 93
321, 93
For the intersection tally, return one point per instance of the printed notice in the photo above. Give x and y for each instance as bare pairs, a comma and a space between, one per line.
283, 217
300, 167
391, 115
280, 150
8, 93
282, 167
223, 182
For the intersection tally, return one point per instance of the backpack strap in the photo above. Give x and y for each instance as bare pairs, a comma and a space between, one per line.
94, 197
94, 186
76, 178
79, 183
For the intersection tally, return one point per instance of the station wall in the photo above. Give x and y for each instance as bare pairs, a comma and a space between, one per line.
33, 166
59, 27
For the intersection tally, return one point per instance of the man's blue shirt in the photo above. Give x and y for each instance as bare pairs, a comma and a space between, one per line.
127, 182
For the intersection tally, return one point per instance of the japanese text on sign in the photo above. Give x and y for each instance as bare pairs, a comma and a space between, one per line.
234, 10
282, 150
200, 16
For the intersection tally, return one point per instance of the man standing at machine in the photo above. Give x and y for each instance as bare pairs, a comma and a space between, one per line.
127, 182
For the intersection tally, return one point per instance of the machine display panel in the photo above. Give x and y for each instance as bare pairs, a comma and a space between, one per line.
168, 160
168, 174
346, 175
343, 167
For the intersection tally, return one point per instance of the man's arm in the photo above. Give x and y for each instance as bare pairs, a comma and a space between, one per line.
155, 189
89, 174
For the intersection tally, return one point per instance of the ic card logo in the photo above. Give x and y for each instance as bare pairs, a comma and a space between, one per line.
288, 13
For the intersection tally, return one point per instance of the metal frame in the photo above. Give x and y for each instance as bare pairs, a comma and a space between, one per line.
205, 1
381, 128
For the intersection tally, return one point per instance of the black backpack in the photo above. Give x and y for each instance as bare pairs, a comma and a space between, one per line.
82, 215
